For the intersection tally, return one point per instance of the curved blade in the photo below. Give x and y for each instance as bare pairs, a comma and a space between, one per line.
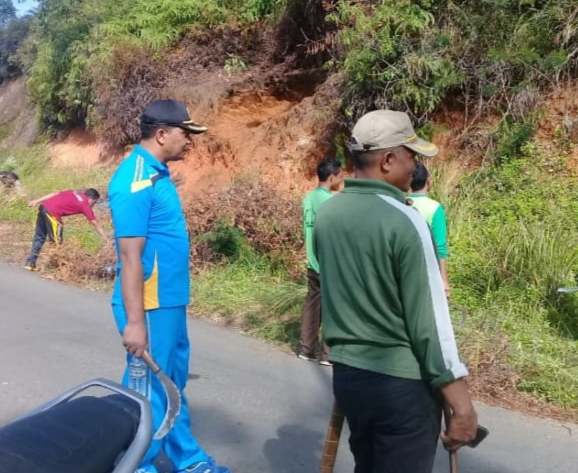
173, 397
568, 289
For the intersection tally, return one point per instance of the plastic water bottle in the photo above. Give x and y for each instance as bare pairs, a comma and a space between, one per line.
137, 375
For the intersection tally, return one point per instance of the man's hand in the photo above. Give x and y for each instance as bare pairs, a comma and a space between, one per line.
463, 422
447, 289
462, 429
33, 203
134, 338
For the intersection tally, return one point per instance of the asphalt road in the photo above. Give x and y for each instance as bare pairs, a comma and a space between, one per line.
254, 407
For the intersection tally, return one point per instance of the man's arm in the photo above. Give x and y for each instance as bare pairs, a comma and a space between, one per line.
134, 336
430, 332
130, 212
440, 235
34, 203
100, 230
444, 271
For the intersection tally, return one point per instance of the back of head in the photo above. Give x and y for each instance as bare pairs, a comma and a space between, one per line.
92, 194
328, 167
420, 177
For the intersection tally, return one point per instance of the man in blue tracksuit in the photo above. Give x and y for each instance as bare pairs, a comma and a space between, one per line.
152, 285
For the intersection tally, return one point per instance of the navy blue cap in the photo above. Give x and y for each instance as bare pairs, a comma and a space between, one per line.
170, 113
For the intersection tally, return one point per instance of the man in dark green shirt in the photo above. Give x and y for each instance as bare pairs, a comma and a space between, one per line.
385, 314
330, 179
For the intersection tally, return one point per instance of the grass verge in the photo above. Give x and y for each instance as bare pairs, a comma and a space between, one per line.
246, 294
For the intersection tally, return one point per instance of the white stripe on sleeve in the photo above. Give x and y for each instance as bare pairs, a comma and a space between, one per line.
439, 302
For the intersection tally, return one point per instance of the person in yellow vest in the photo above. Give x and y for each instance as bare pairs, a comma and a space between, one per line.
435, 216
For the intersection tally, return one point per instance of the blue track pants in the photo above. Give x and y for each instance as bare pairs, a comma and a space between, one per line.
168, 343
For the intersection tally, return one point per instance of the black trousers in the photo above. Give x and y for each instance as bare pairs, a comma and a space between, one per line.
46, 227
394, 422
311, 316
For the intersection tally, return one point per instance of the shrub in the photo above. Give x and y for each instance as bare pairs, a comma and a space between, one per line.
225, 240
414, 55
270, 221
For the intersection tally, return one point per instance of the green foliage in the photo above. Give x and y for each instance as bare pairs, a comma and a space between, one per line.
512, 244
286, 298
253, 10
234, 64
394, 55
12, 36
511, 137
226, 240
412, 55
7, 12
74, 42
243, 293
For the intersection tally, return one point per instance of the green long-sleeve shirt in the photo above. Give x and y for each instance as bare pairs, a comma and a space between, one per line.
383, 302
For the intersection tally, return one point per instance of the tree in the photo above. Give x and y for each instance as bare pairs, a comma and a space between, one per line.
12, 36
7, 12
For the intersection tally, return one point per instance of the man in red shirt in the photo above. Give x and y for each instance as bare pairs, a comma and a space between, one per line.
49, 218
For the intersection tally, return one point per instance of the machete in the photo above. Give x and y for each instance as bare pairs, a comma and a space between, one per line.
173, 397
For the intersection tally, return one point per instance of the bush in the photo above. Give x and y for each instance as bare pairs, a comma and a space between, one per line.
225, 240
270, 222
414, 55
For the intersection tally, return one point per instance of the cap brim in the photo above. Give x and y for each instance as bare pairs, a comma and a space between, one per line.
423, 147
193, 127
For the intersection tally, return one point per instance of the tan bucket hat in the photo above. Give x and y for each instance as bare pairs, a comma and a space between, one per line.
383, 129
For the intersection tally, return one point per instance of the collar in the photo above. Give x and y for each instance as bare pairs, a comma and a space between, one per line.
371, 186
416, 196
151, 160
322, 189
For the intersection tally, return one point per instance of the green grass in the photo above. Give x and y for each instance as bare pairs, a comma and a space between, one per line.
248, 294
513, 241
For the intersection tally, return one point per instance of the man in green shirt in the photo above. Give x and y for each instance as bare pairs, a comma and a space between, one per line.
385, 314
435, 216
330, 179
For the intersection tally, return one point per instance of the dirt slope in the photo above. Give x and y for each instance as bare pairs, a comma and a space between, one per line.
17, 115
253, 134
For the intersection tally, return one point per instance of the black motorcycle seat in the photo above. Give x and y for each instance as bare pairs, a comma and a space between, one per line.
84, 435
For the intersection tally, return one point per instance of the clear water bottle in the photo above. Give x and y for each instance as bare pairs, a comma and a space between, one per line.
137, 375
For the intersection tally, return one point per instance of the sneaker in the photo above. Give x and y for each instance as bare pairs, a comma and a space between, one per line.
31, 267
205, 467
306, 356
325, 362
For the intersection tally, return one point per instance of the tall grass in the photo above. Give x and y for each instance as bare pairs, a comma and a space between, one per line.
250, 294
510, 250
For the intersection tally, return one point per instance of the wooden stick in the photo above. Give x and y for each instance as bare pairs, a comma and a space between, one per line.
332, 439
453, 455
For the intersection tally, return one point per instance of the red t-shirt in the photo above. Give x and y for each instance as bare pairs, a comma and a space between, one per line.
69, 203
